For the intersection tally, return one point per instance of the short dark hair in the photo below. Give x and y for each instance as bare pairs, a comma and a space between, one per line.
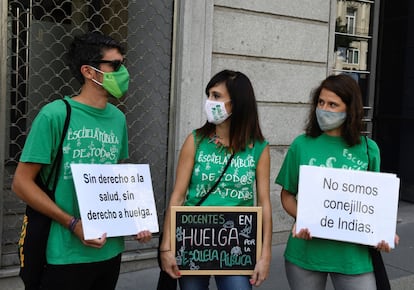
88, 47
244, 126
345, 87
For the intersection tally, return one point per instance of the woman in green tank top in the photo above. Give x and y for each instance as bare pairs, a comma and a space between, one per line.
232, 128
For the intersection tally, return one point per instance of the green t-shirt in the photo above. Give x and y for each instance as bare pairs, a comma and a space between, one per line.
236, 187
95, 136
332, 152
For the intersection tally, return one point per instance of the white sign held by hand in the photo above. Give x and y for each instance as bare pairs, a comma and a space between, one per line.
348, 205
116, 199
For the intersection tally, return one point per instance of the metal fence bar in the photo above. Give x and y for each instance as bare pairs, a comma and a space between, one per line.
3, 90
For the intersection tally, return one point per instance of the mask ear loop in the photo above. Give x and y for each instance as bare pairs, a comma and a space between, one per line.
98, 70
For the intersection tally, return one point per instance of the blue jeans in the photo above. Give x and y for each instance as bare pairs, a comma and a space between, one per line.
302, 279
223, 282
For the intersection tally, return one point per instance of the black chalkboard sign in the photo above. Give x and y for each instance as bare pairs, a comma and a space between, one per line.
216, 239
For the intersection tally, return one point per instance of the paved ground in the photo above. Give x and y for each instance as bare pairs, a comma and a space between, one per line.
399, 263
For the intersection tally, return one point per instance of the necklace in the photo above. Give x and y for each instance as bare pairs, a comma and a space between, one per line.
216, 139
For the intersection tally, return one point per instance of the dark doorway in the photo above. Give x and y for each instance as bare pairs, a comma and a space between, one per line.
394, 108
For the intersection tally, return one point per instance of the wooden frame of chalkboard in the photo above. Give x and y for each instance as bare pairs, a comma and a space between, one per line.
216, 240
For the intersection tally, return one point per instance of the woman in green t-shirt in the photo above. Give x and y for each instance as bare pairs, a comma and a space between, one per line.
332, 139
232, 128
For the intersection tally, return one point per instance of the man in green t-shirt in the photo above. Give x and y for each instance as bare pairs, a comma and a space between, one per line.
97, 134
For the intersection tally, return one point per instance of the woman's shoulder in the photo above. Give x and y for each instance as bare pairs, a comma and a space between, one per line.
261, 143
304, 141
302, 138
258, 147
194, 136
372, 145
189, 141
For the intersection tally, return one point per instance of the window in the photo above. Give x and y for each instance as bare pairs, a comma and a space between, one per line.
352, 56
354, 51
350, 20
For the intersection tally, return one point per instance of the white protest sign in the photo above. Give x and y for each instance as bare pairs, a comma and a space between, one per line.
348, 205
116, 199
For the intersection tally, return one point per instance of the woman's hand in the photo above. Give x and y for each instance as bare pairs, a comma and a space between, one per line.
261, 272
169, 264
143, 236
384, 246
302, 234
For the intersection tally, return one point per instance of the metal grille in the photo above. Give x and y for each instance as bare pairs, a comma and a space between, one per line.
39, 33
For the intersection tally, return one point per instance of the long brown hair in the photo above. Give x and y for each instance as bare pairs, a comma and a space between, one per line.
345, 87
244, 119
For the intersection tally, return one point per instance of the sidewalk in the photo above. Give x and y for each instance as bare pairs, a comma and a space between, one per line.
399, 263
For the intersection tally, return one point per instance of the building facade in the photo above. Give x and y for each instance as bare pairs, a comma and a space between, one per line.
173, 48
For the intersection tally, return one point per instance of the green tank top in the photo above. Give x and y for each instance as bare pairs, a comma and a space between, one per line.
236, 187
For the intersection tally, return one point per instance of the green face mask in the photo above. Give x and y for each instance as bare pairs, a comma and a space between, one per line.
115, 83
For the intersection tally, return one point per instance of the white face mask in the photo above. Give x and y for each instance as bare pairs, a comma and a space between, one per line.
329, 120
216, 112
